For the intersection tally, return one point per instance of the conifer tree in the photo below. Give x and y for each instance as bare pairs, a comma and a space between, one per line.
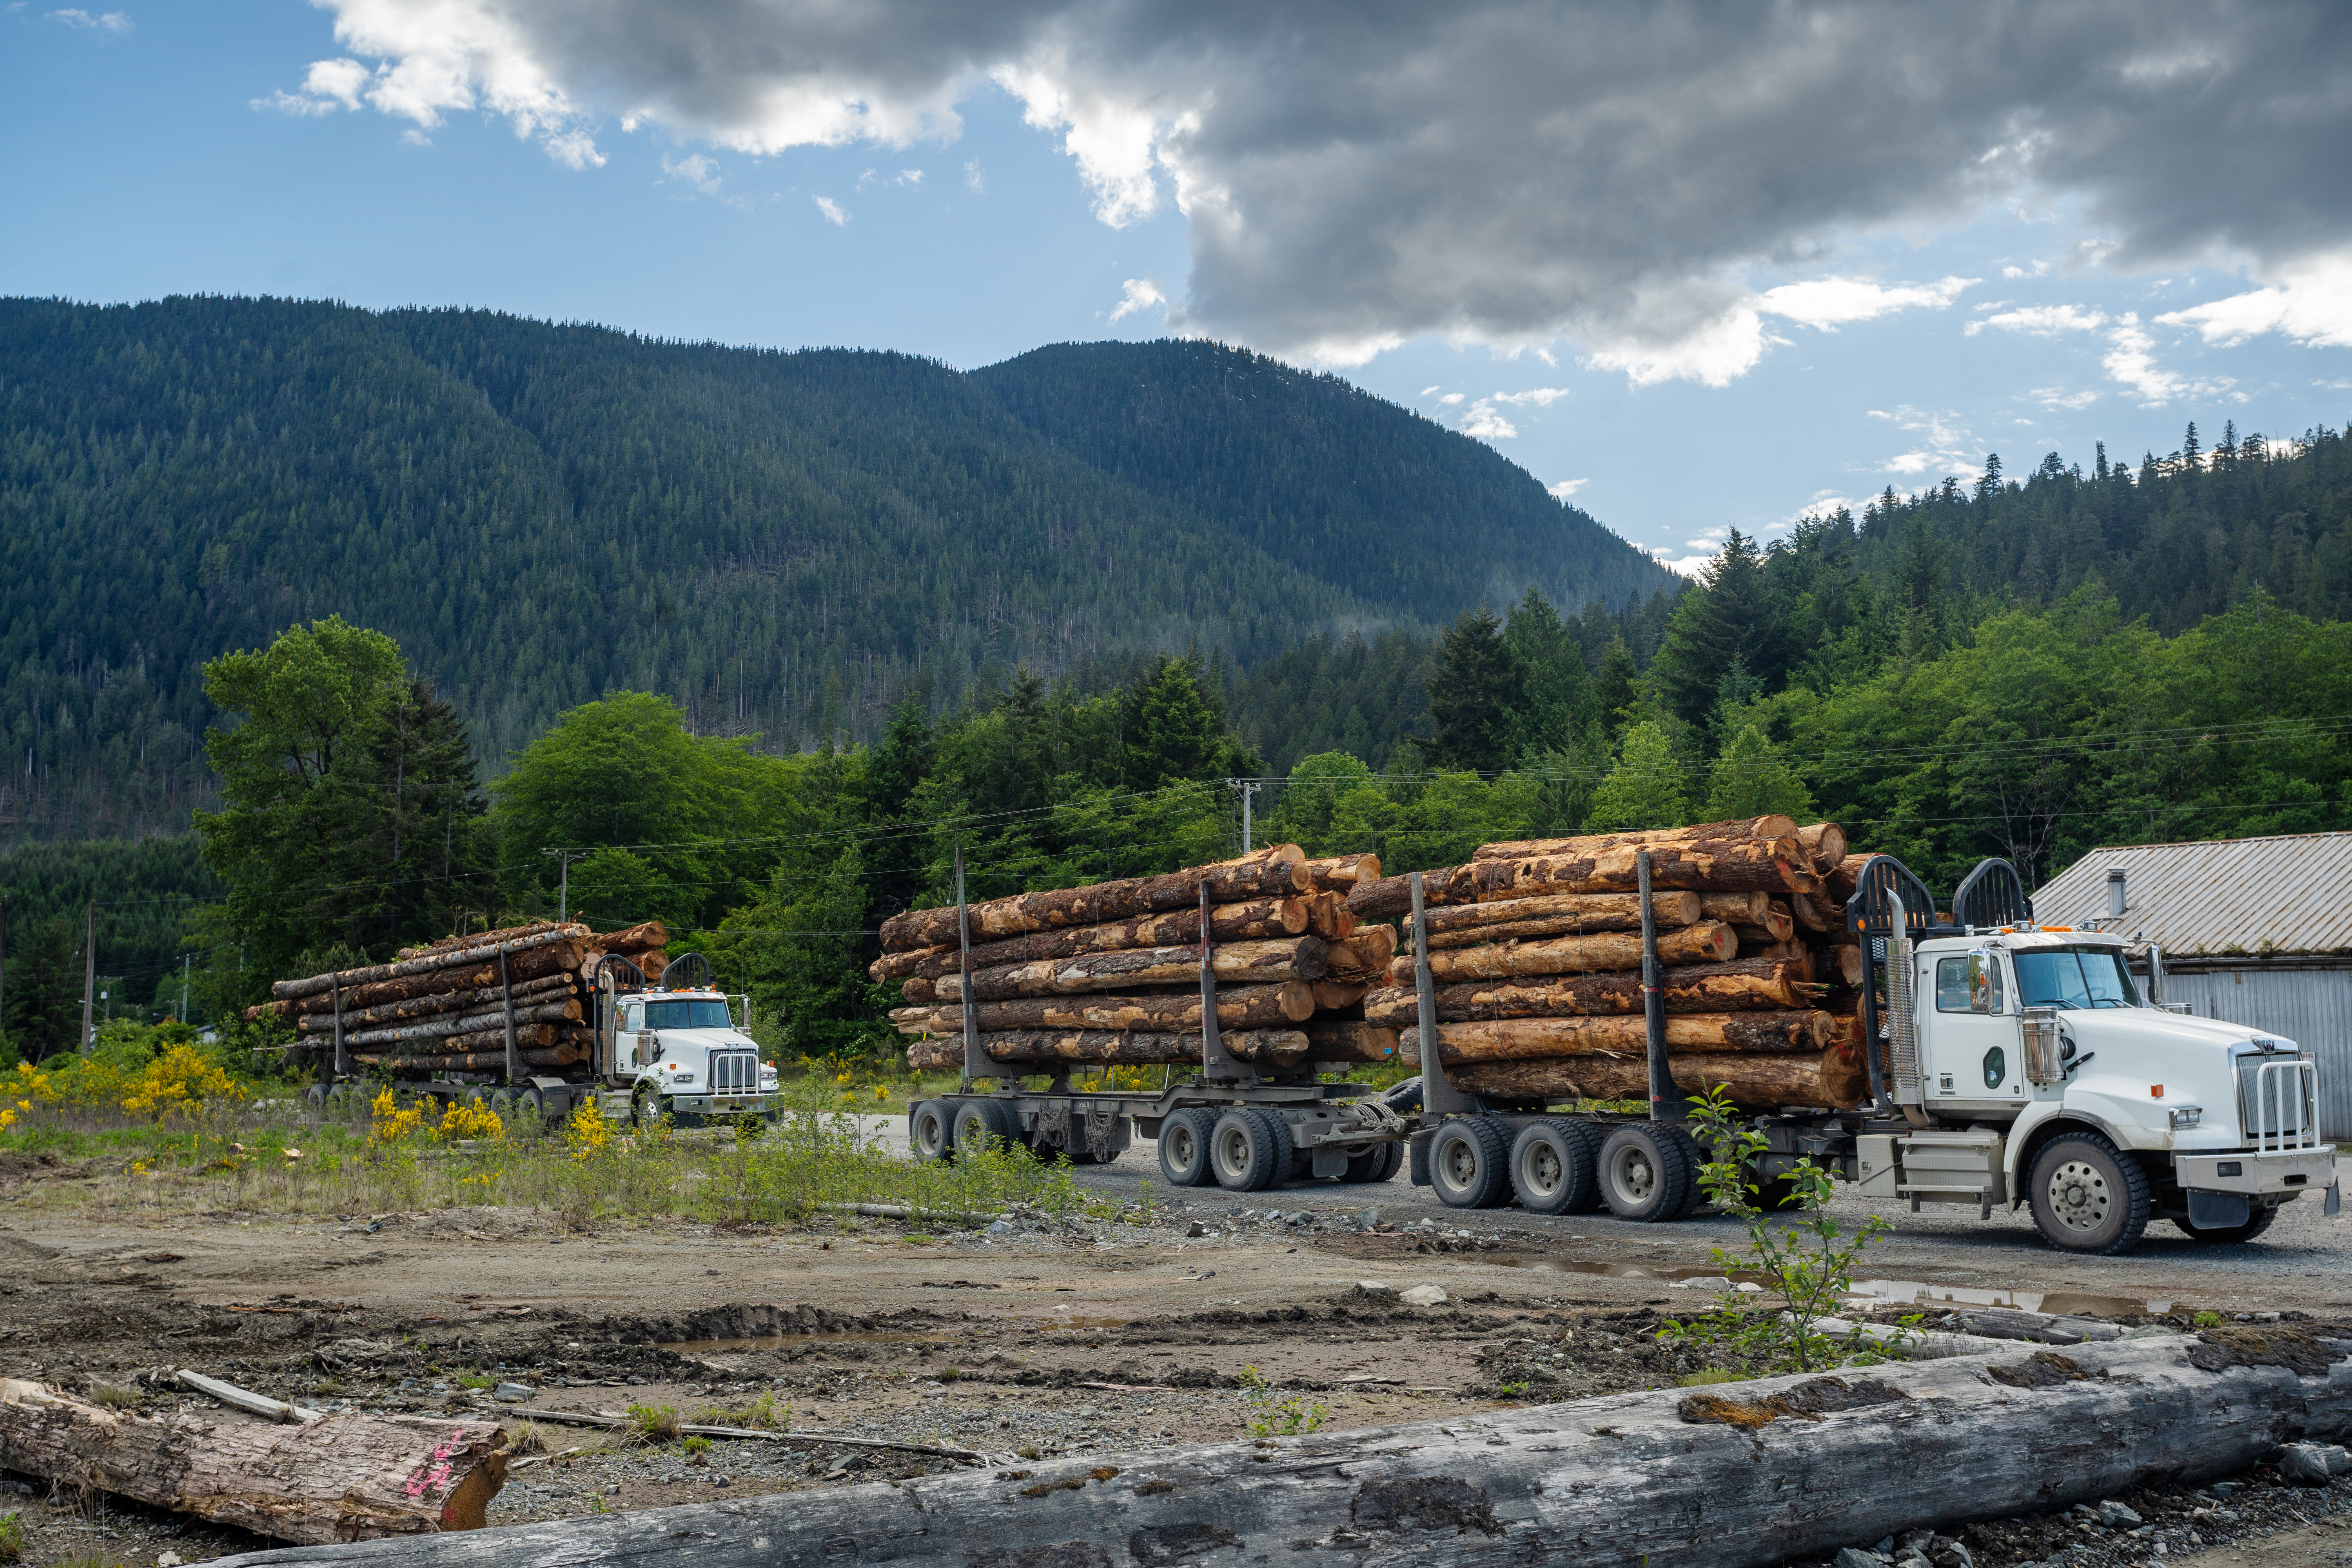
1644, 790
1473, 695
1557, 703
1751, 780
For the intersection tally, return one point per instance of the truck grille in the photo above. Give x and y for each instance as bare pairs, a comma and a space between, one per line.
734, 1072
2278, 1101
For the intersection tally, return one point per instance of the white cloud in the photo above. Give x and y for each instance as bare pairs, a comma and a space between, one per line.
836, 216
1427, 390
700, 171
1564, 489
1608, 176
2131, 360
975, 179
284, 102
911, 176
327, 85
1450, 398
2311, 304
2039, 269
2056, 398
416, 138
2042, 321
1829, 303
1140, 294
113, 22
1942, 444
1485, 422
1541, 396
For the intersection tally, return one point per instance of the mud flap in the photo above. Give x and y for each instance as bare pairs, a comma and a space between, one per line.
2334, 1205
2218, 1211
1420, 1146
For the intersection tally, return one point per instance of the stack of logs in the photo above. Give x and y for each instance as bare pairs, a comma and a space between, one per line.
1110, 974
1536, 954
445, 1007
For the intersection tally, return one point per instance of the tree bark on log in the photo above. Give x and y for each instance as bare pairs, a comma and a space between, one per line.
1349, 1040
455, 958
1706, 942
1337, 995
1741, 1475
531, 964
1339, 873
450, 946
1747, 985
461, 1023
1105, 1047
1814, 912
1328, 914
1238, 1007
1825, 842
339, 1478
1713, 865
1562, 914
1362, 958
1256, 920
1736, 909
1769, 827
527, 1036
1753, 1082
546, 988
635, 939
1776, 927
1272, 872
1522, 1039
1844, 962
1839, 884
1235, 963
559, 1056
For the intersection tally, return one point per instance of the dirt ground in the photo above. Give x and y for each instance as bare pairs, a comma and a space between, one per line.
1234, 1314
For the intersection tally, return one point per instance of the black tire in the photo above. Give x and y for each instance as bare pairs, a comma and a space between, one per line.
1185, 1148
1403, 1097
1555, 1167
1470, 1163
2087, 1197
529, 1107
979, 1125
930, 1132
1693, 1194
1646, 1175
1775, 1195
1365, 1166
1243, 1153
1286, 1148
315, 1099
2257, 1221
1392, 1160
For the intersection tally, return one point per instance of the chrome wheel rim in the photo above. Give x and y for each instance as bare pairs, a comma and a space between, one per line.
2079, 1195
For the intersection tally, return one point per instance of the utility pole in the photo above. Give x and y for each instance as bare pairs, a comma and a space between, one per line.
183, 988
1248, 789
88, 976
3, 962
563, 858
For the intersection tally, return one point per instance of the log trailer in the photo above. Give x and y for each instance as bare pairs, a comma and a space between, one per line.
1231, 1123
676, 1047
2009, 1064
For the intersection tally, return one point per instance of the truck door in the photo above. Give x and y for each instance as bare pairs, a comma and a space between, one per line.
1974, 1052
633, 1015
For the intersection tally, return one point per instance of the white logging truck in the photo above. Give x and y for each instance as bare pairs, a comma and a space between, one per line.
2011, 1064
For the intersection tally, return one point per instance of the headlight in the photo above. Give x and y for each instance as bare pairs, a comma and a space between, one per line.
2187, 1116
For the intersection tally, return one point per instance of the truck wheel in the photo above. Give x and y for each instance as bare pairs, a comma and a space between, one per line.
2086, 1196
1392, 1161
1556, 1168
2225, 1235
1403, 1098
315, 1098
930, 1131
1693, 1194
1469, 1164
1243, 1152
1644, 1176
1185, 1148
1365, 1166
979, 1126
531, 1108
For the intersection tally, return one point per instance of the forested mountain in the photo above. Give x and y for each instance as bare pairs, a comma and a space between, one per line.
782, 542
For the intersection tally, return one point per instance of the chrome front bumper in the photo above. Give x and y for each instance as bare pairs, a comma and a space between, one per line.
2288, 1171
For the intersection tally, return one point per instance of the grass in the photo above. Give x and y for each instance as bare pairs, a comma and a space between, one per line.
12, 1536
654, 1423
263, 1160
1706, 1375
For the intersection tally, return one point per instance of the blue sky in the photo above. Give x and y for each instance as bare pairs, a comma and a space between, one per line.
1673, 375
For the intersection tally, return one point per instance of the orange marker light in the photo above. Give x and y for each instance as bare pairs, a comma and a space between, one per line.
2156, 1091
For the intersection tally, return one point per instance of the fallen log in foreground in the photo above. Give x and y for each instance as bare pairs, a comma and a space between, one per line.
1730, 1476
339, 1479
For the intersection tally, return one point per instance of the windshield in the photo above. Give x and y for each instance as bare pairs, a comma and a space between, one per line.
711, 1014
2074, 977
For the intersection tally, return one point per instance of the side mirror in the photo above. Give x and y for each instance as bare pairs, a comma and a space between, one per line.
1979, 980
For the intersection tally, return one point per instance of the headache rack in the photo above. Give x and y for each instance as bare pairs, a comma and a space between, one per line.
1891, 909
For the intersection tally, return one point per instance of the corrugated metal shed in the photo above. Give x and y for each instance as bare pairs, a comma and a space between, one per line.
2225, 898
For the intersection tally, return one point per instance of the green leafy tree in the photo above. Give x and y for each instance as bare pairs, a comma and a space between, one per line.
798, 950
1645, 789
1750, 779
1473, 695
349, 798
1311, 799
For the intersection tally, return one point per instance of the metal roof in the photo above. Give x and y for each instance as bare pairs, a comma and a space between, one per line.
2219, 898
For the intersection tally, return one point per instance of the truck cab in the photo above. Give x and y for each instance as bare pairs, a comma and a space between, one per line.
686, 1053
2030, 1067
